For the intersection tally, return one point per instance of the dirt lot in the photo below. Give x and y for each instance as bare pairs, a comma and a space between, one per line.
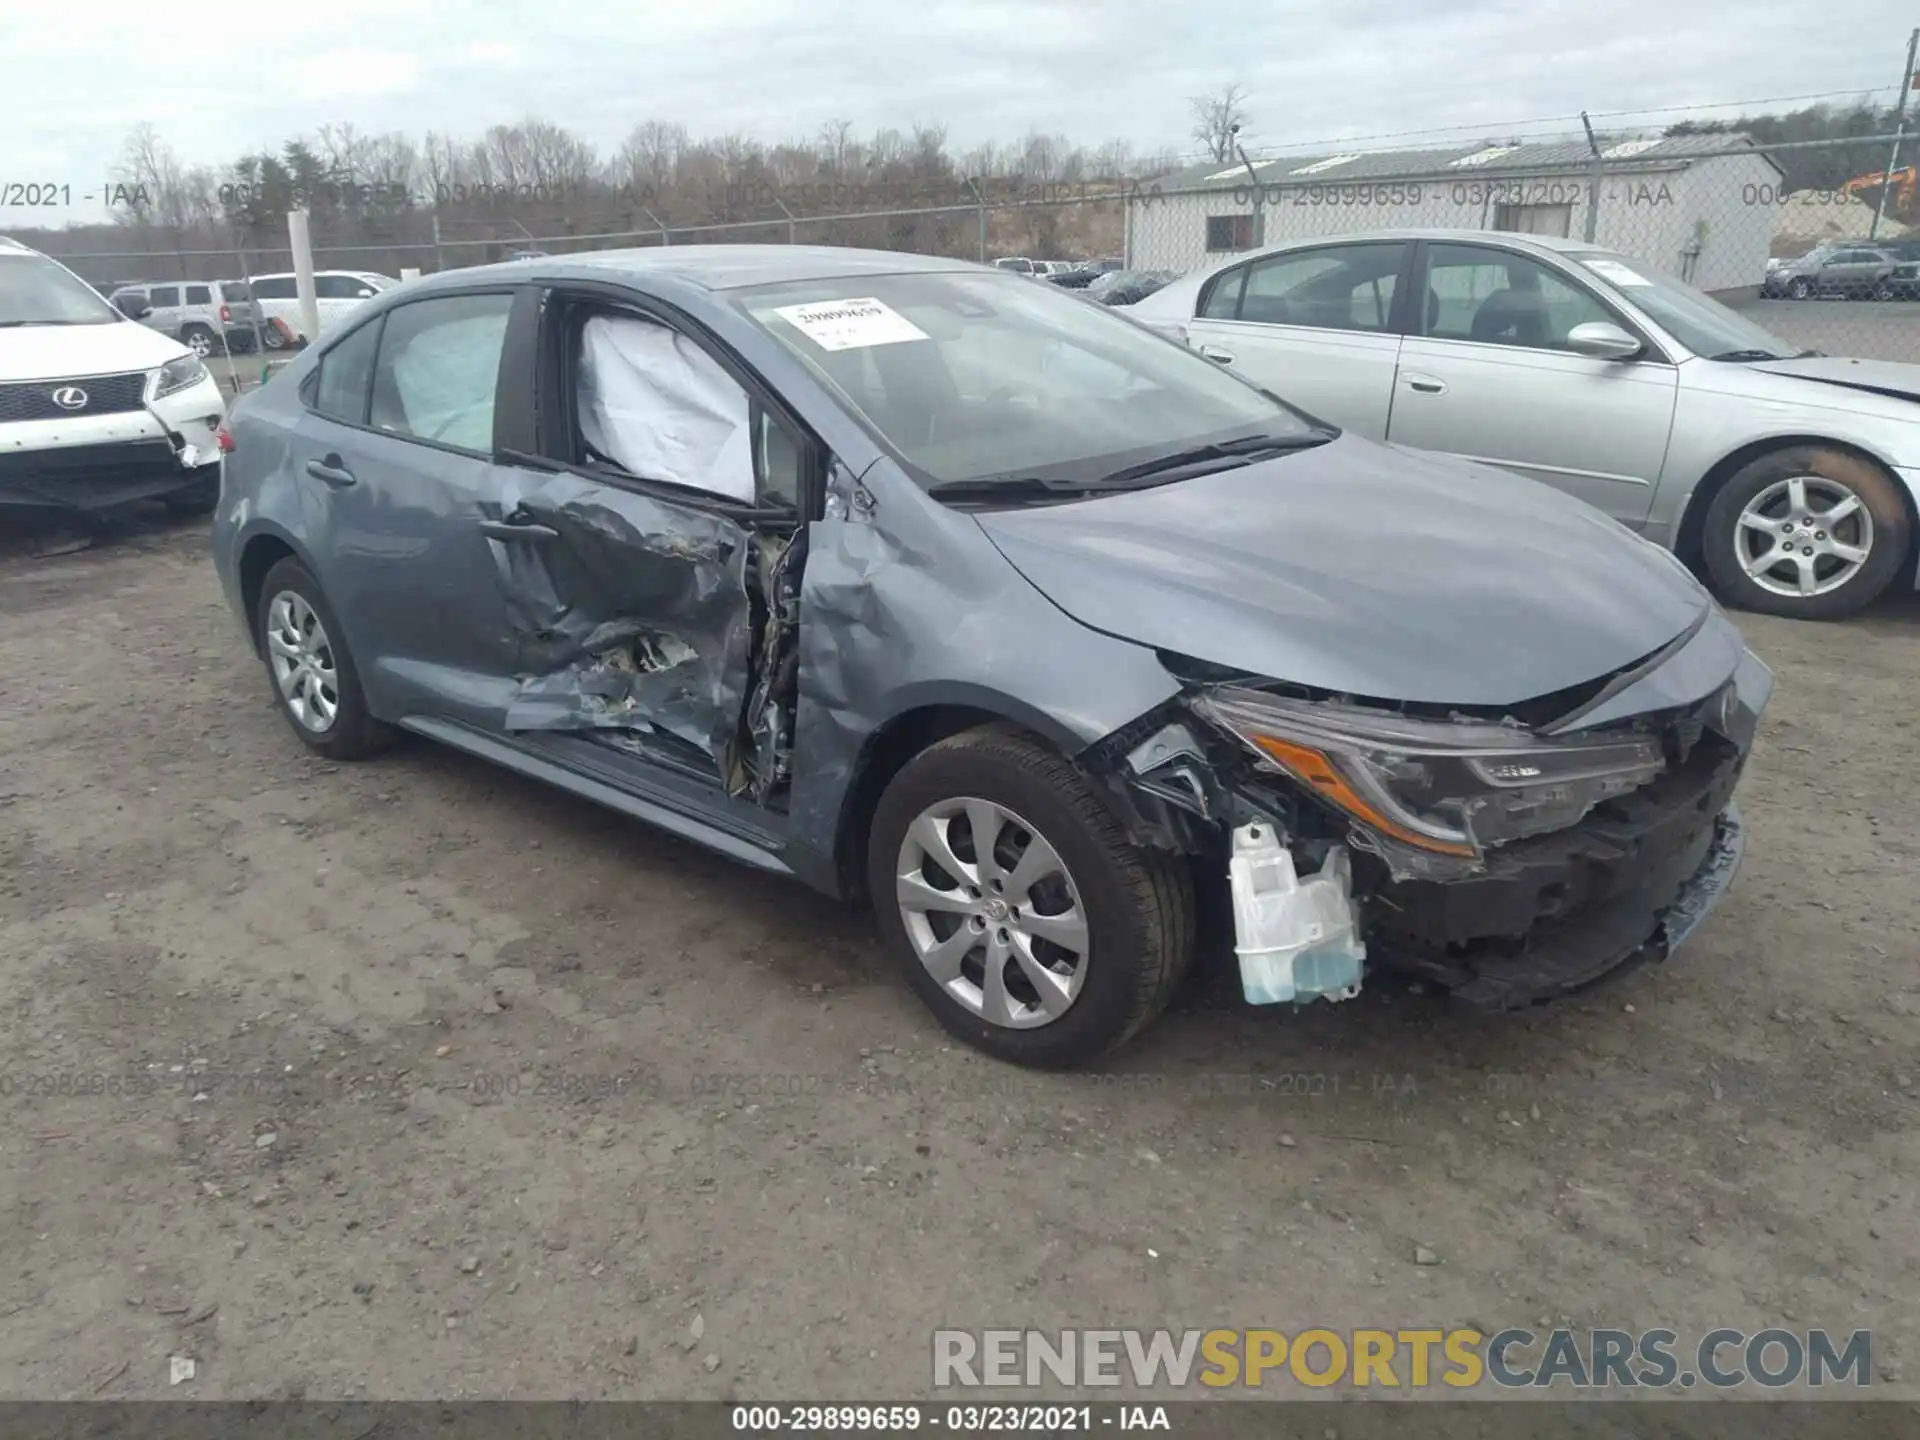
438, 1083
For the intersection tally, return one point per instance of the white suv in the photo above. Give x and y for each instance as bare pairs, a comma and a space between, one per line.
95, 409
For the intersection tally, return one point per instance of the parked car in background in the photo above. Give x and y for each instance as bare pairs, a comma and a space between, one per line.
1018, 264
1790, 477
922, 584
1851, 272
209, 317
1905, 279
1128, 287
95, 409
338, 293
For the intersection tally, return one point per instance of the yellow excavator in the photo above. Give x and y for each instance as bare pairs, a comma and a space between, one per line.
1902, 181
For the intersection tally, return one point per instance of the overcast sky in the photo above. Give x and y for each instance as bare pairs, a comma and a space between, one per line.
217, 79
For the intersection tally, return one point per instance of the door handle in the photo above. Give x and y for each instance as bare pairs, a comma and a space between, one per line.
1217, 355
523, 530
331, 471
1426, 385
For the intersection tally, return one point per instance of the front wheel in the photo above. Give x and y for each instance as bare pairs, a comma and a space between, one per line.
1024, 917
1883, 291
202, 341
1812, 532
1800, 290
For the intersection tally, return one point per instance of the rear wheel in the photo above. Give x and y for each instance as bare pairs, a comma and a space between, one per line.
1023, 916
1810, 532
315, 682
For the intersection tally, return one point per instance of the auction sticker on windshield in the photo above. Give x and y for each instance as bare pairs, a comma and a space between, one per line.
1616, 272
850, 324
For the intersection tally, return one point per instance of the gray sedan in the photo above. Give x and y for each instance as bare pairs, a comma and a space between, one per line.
1788, 477
925, 584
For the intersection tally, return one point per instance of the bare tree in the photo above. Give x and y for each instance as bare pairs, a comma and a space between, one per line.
1217, 117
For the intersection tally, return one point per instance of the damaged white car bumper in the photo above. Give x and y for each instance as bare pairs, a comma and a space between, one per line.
120, 443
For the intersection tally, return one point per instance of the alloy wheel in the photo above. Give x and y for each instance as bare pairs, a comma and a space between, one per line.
303, 662
1805, 535
992, 912
201, 343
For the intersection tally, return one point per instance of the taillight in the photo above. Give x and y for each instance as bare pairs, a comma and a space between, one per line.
226, 315
223, 437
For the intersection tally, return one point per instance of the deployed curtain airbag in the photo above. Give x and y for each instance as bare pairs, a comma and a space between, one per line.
661, 408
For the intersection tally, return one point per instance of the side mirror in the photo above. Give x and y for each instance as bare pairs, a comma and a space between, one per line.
1603, 341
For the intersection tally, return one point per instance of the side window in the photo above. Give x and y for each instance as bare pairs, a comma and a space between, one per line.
346, 373
278, 288
656, 405
199, 295
1223, 299
1498, 298
341, 287
439, 368
164, 295
128, 301
1346, 287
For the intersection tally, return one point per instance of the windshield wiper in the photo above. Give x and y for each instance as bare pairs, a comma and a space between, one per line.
1012, 488
1741, 355
1220, 455
18, 324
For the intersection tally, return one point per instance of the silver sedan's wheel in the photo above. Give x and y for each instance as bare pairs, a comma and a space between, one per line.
1802, 536
992, 913
303, 663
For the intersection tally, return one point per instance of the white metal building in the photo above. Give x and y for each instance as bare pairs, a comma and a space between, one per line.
1698, 207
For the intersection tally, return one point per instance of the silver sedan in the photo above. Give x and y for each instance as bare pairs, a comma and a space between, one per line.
1790, 478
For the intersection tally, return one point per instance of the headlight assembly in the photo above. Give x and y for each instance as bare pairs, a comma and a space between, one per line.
1439, 788
176, 375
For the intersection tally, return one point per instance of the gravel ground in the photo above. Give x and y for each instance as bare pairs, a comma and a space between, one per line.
417, 1079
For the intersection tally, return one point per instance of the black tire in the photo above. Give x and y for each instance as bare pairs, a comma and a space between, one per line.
1878, 492
1800, 290
271, 337
354, 732
1139, 904
202, 341
1883, 291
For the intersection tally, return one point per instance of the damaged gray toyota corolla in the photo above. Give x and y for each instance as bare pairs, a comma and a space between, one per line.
921, 582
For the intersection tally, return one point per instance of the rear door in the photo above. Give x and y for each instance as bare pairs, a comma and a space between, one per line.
1487, 375
1319, 327
396, 450
338, 296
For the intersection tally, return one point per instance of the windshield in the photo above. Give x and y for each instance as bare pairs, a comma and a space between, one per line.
1703, 325
973, 376
35, 291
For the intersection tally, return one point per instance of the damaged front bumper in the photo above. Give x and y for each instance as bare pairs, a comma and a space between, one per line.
1618, 875
162, 449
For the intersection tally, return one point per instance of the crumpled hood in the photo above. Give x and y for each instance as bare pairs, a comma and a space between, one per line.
1364, 569
56, 352
1886, 376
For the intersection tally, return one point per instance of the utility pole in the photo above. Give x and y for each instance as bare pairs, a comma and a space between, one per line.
1253, 177
1593, 180
1899, 132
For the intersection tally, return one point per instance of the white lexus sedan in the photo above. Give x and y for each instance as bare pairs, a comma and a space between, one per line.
1789, 477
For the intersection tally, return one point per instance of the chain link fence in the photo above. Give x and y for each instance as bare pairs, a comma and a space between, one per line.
1817, 242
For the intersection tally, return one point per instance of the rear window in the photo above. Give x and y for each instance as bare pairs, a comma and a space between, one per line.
232, 290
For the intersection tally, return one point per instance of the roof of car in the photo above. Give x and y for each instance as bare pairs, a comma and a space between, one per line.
731, 267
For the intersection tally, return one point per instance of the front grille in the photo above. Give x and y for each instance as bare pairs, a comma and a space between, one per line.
105, 395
